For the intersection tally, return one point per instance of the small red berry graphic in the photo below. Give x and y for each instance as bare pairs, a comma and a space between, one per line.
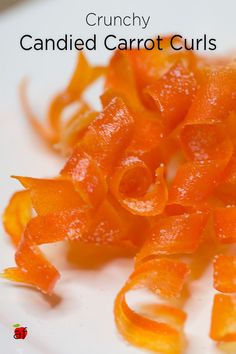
20, 332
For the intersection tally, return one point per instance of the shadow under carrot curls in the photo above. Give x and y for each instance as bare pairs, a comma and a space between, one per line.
53, 299
88, 256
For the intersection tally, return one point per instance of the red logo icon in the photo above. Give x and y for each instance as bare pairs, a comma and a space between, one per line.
20, 332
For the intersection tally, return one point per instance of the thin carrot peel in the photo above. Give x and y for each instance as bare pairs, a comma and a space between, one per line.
53, 132
151, 172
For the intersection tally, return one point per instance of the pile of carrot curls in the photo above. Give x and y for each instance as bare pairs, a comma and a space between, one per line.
154, 171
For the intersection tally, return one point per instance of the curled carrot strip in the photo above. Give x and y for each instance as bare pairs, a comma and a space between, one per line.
121, 80
178, 234
152, 65
75, 129
156, 336
147, 139
164, 335
153, 201
109, 134
51, 195
96, 154
106, 228
195, 181
172, 94
30, 260
148, 133
44, 132
86, 176
216, 98
84, 74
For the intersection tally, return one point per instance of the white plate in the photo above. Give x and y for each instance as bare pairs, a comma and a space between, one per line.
80, 318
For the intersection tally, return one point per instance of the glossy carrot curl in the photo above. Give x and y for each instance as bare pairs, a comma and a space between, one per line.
154, 171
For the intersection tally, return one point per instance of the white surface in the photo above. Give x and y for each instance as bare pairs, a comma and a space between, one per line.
80, 319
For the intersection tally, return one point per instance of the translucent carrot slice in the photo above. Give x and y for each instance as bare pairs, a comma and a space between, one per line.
147, 140
225, 224
75, 129
216, 98
86, 176
83, 75
195, 181
206, 142
108, 227
17, 214
173, 94
225, 273
150, 65
120, 78
28, 257
223, 320
109, 134
105, 228
143, 332
43, 131
164, 276
148, 133
51, 195
178, 234
210, 150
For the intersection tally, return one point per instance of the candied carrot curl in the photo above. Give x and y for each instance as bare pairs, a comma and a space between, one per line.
173, 93
152, 172
83, 76
178, 234
163, 277
225, 273
224, 318
153, 200
17, 215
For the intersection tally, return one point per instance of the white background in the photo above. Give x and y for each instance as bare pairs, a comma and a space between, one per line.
79, 318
